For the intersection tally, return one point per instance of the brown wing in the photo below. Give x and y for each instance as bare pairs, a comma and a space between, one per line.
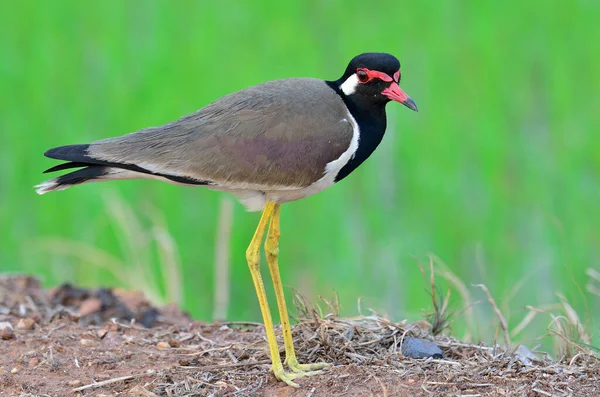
281, 133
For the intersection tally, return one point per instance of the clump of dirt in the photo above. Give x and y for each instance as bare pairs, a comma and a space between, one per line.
22, 296
73, 341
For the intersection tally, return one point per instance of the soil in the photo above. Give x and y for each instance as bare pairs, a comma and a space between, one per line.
75, 342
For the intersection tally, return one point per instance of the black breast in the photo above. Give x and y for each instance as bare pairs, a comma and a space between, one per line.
371, 121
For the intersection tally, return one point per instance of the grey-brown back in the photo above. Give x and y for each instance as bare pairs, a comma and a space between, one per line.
281, 133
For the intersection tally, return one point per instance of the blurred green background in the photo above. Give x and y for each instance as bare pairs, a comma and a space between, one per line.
498, 175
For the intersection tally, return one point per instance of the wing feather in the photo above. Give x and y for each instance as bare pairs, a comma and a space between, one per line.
277, 134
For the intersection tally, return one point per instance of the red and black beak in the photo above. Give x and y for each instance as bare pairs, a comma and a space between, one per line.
396, 94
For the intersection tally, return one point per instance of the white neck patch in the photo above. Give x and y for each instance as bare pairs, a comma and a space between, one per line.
349, 86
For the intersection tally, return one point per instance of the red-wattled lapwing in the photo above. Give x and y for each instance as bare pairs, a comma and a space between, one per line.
269, 144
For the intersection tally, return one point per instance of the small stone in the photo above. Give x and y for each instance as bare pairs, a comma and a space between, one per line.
525, 356
113, 327
162, 345
101, 333
420, 348
90, 305
14, 370
173, 343
6, 331
75, 383
26, 324
87, 342
34, 362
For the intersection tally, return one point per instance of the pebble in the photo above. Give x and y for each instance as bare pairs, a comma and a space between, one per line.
114, 327
90, 305
14, 370
525, 356
101, 333
6, 331
420, 348
87, 342
26, 324
75, 383
34, 362
162, 345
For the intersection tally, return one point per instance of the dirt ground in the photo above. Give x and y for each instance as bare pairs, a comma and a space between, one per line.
75, 342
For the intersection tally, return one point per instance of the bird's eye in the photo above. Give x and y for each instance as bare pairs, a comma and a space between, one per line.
363, 77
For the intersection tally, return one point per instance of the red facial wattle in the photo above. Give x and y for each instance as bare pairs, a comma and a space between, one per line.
374, 74
393, 92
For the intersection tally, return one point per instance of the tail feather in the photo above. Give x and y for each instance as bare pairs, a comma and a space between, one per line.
74, 153
77, 156
94, 169
66, 166
87, 174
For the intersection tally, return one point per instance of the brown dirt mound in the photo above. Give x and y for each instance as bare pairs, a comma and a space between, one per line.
72, 341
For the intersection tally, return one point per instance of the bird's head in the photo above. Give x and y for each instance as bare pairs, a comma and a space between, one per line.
374, 76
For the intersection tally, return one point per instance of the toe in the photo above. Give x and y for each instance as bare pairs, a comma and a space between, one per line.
287, 378
309, 367
301, 373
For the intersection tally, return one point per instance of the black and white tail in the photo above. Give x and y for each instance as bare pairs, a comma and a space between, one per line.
90, 173
91, 170
96, 170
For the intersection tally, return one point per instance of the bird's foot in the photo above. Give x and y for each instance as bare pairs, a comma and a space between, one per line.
299, 371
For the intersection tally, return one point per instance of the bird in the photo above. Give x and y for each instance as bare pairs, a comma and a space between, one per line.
269, 144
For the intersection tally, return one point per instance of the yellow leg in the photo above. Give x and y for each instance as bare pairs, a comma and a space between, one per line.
253, 257
272, 251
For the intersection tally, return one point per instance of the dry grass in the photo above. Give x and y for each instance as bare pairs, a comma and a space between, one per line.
232, 358
568, 333
593, 286
237, 359
441, 317
566, 329
374, 342
139, 245
222, 259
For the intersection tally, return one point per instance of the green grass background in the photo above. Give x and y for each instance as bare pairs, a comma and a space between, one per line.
498, 174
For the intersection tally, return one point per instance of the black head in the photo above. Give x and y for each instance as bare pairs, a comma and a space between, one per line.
374, 77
